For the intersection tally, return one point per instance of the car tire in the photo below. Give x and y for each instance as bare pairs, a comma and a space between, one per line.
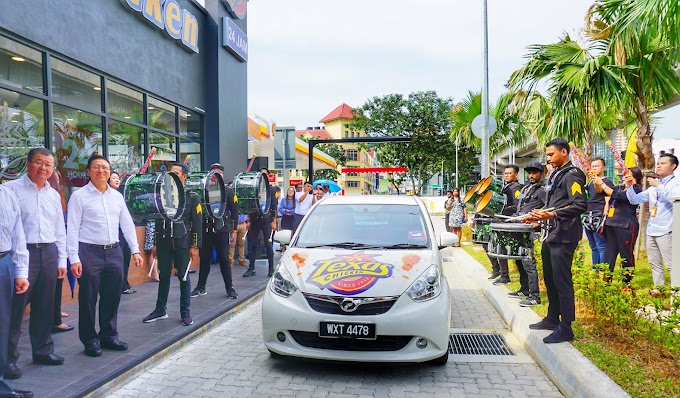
274, 354
442, 360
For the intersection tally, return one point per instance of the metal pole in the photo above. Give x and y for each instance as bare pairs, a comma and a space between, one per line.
675, 244
285, 157
457, 162
485, 95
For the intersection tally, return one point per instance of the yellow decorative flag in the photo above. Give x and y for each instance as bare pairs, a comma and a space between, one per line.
199, 209
576, 187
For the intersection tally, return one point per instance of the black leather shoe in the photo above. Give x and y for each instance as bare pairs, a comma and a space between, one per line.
231, 293
57, 329
250, 272
115, 345
18, 394
501, 281
93, 350
51, 359
544, 324
494, 275
12, 371
561, 334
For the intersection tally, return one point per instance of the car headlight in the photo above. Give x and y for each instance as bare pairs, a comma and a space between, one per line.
427, 286
282, 283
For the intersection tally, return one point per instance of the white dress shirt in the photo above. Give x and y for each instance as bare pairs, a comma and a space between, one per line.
41, 214
301, 208
12, 235
94, 217
660, 197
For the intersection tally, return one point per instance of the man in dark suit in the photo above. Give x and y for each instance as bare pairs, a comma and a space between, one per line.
217, 233
177, 242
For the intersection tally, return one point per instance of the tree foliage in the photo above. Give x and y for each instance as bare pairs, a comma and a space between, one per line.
423, 116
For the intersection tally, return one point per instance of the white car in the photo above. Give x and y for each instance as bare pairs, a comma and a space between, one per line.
362, 281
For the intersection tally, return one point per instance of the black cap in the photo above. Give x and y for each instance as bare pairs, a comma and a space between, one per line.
535, 166
216, 166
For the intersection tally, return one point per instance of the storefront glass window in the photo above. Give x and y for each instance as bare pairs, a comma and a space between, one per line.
190, 124
125, 147
161, 115
193, 150
124, 102
20, 66
166, 151
22, 127
76, 86
77, 136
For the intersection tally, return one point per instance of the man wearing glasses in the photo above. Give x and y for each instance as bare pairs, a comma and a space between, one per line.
43, 221
95, 213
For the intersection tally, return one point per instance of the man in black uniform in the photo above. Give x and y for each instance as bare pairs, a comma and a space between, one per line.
531, 197
511, 190
593, 215
178, 242
565, 189
265, 224
217, 233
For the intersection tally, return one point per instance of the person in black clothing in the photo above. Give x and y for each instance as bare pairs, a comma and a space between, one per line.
531, 197
597, 200
177, 242
621, 227
565, 189
114, 182
265, 224
511, 190
217, 233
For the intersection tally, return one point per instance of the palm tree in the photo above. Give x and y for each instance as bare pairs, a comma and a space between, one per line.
506, 111
642, 36
583, 91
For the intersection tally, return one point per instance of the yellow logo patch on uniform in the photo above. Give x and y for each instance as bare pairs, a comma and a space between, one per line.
199, 209
576, 187
276, 195
235, 198
516, 194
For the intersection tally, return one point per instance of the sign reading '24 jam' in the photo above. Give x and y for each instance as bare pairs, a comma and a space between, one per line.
177, 23
235, 40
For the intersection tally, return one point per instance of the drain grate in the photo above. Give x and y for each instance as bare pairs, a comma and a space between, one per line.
478, 344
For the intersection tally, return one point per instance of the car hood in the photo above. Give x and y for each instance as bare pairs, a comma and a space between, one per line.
363, 273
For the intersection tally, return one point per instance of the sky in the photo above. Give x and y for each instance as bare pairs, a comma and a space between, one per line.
306, 57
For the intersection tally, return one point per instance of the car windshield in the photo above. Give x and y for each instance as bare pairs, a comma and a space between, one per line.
364, 226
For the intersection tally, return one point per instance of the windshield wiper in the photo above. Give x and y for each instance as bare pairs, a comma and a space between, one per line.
405, 246
345, 245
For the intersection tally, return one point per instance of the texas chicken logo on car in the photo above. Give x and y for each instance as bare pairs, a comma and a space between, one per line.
349, 274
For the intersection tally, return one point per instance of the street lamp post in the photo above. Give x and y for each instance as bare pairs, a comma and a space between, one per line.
485, 95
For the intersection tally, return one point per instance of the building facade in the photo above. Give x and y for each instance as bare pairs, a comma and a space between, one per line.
120, 78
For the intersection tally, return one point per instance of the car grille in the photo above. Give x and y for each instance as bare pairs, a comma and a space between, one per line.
364, 305
381, 343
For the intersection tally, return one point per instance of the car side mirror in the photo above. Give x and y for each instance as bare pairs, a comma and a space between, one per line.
283, 236
447, 239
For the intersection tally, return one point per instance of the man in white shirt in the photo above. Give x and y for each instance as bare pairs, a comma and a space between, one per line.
43, 222
660, 225
13, 275
95, 212
304, 202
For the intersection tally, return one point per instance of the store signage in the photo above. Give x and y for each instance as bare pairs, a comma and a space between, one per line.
234, 39
237, 8
176, 23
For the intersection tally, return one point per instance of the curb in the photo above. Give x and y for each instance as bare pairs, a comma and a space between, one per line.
571, 371
147, 363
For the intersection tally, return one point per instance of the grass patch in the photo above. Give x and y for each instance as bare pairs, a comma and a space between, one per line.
640, 356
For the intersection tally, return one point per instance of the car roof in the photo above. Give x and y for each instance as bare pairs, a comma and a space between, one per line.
371, 199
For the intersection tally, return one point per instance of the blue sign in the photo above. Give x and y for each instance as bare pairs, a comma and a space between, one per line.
235, 40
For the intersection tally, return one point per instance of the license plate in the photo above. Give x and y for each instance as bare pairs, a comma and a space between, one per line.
347, 330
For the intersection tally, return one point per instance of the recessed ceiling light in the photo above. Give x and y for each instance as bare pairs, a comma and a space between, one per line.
18, 59
69, 120
127, 117
97, 88
151, 108
188, 114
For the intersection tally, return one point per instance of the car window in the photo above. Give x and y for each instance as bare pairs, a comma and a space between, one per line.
371, 224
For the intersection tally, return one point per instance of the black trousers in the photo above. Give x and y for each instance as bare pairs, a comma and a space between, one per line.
260, 226
169, 251
6, 293
528, 277
219, 240
621, 241
57, 302
42, 279
127, 254
102, 278
498, 265
557, 260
